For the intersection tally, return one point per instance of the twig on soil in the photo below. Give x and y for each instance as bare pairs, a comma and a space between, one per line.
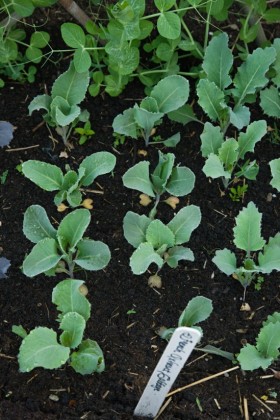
217, 403
22, 148
246, 411
6, 357
208, 378
263, 403
163, 408
38, 126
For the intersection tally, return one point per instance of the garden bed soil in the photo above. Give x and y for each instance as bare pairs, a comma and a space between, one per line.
130, 344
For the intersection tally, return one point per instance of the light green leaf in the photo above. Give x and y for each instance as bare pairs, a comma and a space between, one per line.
146, 119
181, 182
214, 167
19, 330
270, 101
36, 224
138, 178
183, 115
72, 229
272, 319
218, 60
74, 198
97, 164
143, 257
41, 349
254, 133
43, 257
39, 102
73, 35
82, 60
228, 154
149, 104
211, 99
22, 7
164, 5
63, 114
225, 260
158, 234
39, 39
211, 139
250, 358
184, 223
92, 255
269, 260
171, 93
88, 359
163, 171
67, 297
73, 325
197, 310
178, 253
172, 141
247, 232
268, 341
275, 172
46, 176
240, 116
169, 25
276, 64
135, 227
125, 123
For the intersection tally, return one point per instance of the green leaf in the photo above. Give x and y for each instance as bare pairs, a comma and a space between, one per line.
138, 178
169, 25
19, 330
146, 119
254, 133
269, 260
158, 234
164, 5
276, 64
46, 176
143, 257
72, 229
240, 116
218, 60
211, 99
149, 104
71, 85
36, 224
88, 359
211, 139
181, 182
97, 164
162, 171
228, 154
34, 54
73, 35
214, 167
247, 232
39, 39
23, 7
272, 319
172, 141
39, 102
135, 227
73, 325
250, 358
225, 260
272, 15
268, 341
184, 223
41, 349
198, 309
74, 198
82, 60
43, 257
92, 255
178, 253
270, 101
62, 113
125, 124
171, 93
275, 172
251, 75
183, 115
67, 297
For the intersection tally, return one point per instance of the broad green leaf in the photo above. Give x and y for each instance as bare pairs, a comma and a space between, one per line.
123, 59
46, 176
211, 139
73, 325
247, 232
138, 178
82, 60
268, 341
143, 257
254, 133
181, 182
39, 39
34, 54
171, 93
272, 15
164, 52
250, 358
135, 227
23, 8
275, 172
63, 114
36, 224
218, 60
211, 99
92, 255
71, 85
39, 102
41, 349
125, 124
184, 223
88, 359
197, 310
214, 167
159, 234
225, 260
169, 25
178, 253
272, 319
42, 257
270, 101
74, 198
228, 154
172, 141
164, 5
276, 64
240, 116
72, 228
73, 35
183, 115
68, 298
149, 104
97, 164
269, 259
251, 75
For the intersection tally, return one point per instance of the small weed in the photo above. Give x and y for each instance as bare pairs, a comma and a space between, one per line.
3, 177
237, 194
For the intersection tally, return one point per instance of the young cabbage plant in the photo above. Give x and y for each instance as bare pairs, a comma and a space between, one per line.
158, 243
64, 248
168, 95
247, 237
266, 351
69, 185
41, 348
166, 178
62, 110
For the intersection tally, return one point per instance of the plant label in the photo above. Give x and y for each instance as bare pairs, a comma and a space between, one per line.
168, 368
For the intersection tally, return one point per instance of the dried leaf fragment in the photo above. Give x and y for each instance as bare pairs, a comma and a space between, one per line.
144, 200
155, 281
172, 201
61, 207
87, 203
142, 152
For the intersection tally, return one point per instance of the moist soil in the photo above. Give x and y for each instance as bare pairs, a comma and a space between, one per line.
129, 341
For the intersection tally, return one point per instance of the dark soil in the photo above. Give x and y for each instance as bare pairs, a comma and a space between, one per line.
130, 343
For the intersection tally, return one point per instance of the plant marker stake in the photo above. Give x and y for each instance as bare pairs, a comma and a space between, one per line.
168, 368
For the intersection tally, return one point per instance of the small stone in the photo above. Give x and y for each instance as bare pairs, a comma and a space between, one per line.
155, 281
53, 397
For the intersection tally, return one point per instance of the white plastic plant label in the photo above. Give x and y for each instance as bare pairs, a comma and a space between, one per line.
168, 368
